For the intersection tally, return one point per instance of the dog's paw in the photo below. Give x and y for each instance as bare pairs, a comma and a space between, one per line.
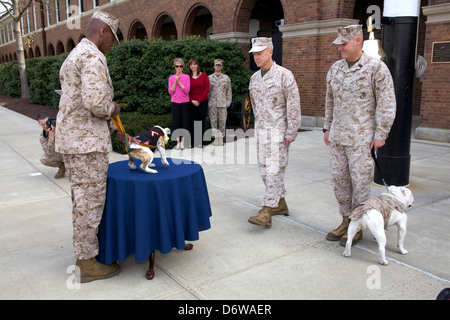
165, 163
151, 165
346, 254
132, 166
384, 262
150, 170
402, 250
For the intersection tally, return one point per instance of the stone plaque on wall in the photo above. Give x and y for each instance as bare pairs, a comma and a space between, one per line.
440, 52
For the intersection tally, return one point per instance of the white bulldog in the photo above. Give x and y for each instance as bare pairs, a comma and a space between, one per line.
377, 214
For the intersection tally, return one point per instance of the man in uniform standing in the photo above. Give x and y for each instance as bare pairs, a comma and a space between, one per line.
83, 137
219, 100
276, 104
359, 112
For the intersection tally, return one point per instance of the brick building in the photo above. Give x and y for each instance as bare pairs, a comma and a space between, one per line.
304, 30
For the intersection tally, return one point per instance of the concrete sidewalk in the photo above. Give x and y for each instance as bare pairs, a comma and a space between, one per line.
234, 259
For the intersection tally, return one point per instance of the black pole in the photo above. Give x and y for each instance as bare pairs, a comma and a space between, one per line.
399, 45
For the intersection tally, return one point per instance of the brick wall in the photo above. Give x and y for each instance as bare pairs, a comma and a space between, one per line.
435, 109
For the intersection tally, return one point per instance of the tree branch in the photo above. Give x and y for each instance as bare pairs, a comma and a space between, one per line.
25, 8
7, 9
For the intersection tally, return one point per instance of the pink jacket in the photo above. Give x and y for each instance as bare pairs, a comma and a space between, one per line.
180, 95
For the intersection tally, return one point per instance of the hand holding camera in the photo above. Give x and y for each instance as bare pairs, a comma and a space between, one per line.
51, 123
50, 127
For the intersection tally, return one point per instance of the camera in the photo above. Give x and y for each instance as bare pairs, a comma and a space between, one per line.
51, 122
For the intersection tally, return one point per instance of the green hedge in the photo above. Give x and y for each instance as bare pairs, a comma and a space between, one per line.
43, 75
10, 80
139, 69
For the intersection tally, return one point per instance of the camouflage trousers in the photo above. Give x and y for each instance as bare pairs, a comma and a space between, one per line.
87, 175
54, 160
272, 162
218, 118
351, 175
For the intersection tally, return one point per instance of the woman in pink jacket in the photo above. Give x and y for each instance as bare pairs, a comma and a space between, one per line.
179, 86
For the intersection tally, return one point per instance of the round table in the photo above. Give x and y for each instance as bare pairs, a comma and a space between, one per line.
147, 212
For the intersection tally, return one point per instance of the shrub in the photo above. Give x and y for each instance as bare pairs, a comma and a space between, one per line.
140, 69
43, 75
10, 80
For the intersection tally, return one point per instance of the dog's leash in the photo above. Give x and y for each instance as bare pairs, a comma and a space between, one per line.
372, 151
120, 127
147, 145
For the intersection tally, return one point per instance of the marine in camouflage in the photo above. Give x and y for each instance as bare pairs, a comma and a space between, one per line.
83, 136
220, 96
360, 107
50, 157
360, 102
276, 104
86, 102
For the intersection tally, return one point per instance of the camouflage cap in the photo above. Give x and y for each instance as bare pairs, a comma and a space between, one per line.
107, 18
345, 34
261, 43
218, 62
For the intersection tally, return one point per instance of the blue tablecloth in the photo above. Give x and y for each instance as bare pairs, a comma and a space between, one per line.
146, 212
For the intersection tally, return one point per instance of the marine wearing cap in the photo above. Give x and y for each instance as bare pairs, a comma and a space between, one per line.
83, 136
261, 43
107, 18
360, 108
218, 62
276, 104
345, 34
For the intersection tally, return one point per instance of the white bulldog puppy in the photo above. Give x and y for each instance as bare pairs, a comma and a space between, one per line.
377, 214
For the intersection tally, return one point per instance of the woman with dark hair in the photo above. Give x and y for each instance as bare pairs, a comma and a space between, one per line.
198, 97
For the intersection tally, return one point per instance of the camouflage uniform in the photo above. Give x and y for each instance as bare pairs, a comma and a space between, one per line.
384, 204
219, 101
83, 136
360, 107
50, 157
276, 104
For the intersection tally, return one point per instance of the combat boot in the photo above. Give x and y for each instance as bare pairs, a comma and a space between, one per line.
91, 269
61, 172
356, 238
264, 217
281, 209
337, 233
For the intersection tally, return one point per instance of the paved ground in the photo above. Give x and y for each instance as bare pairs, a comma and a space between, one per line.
234, 259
